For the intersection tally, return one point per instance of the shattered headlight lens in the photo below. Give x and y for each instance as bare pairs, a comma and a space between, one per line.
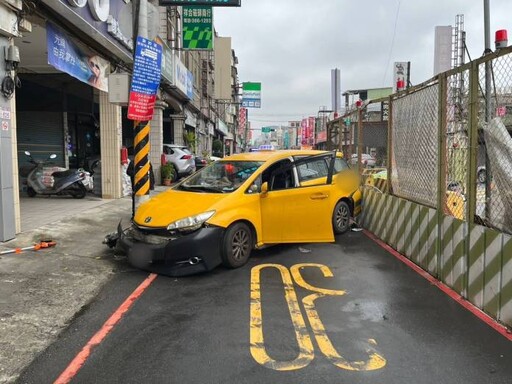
191, 223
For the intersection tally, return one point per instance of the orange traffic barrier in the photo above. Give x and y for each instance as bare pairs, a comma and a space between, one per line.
35, 247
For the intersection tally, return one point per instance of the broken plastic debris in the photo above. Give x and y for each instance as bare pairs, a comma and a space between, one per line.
304, 250
355, 228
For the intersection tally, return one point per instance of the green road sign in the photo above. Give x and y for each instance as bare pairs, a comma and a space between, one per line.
265, 129
197, 27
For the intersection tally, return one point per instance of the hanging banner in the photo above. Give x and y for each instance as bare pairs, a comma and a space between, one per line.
400, 75
197, 27
183, 78
67, 57
145, 79
167, 61
242, 120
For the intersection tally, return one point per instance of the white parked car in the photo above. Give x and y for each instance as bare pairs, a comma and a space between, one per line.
368, 161
181, 158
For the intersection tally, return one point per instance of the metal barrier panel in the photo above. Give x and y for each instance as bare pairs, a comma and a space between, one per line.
415, 146
483, 276
459, 231
456, 134
494, 193
452, 260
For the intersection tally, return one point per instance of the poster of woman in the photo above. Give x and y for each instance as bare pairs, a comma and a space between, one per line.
65, 55
98, 77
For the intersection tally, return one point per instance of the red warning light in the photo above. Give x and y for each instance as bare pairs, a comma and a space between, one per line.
501, 40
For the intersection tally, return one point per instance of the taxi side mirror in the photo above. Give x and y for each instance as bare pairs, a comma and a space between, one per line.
264, 189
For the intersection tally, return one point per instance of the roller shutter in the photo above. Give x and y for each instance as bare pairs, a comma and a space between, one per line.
40, 133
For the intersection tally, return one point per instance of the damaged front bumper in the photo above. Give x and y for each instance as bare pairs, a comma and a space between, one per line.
155, 250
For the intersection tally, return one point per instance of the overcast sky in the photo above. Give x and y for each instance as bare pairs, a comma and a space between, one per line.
290, 46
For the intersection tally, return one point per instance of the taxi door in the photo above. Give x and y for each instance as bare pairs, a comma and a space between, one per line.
291, 213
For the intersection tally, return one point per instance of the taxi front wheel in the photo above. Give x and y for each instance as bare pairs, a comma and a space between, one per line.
341, 218
237, 245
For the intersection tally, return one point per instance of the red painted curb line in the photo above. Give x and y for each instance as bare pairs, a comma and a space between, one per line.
76, 364
504, 331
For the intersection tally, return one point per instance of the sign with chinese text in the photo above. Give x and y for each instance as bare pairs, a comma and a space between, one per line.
251, 95
400, 75
145, 79
197, 27
167, 61
183, 78
65, 55
242, 120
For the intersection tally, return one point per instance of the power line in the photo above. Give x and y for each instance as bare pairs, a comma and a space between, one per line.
386, 68
273, 121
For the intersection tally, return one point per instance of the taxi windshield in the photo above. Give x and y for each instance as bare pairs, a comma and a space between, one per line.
221, 176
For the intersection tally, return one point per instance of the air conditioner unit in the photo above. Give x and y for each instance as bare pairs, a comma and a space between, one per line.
119, 88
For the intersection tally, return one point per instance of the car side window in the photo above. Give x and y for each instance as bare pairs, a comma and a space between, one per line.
340, 165
312, 170
279, 176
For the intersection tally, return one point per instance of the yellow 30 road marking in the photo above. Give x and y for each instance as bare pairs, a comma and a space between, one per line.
258, 351
375, 361
306, 352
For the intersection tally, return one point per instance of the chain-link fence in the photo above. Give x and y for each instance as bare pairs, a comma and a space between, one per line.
414, 155
370, 154
446, 143
451, 142
455, 129
494, 166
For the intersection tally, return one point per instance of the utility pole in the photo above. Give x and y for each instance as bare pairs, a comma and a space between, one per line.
487, 50
487, 35
246, 129
141, 129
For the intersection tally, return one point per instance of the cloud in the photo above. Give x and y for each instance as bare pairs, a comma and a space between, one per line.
290, 46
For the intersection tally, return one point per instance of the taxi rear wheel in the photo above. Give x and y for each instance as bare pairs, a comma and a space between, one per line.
341, 218
237, 245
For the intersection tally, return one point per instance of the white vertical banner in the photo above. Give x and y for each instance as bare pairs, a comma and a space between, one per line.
400, 75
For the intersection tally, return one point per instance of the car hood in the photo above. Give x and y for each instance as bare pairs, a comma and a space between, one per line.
173, 205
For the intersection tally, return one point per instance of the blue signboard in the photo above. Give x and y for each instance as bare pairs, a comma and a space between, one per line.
145, 79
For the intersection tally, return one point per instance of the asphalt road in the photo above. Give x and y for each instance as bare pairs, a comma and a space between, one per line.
348, 312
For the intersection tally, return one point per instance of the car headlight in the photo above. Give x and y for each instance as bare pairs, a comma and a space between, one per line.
191, 223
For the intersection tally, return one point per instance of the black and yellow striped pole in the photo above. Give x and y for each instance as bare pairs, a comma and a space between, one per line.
141, 182
141, 129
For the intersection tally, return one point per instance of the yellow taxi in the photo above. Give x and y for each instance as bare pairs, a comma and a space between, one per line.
244, 201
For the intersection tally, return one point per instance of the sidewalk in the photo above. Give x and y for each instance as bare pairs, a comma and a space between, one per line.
41, 291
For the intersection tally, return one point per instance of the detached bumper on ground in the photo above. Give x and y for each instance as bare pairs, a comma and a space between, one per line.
172, 256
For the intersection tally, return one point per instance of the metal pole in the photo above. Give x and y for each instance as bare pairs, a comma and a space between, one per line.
141, 129
360, 139
488, 84
487, 36
246, 129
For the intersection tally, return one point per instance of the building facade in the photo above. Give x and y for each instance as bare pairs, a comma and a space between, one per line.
70, 86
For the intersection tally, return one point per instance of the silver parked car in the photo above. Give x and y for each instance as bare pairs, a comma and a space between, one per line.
181, 158
367, 160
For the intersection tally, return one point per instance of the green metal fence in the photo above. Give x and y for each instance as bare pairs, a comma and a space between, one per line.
449, 177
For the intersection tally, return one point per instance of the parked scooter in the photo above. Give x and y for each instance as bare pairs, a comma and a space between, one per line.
66, 182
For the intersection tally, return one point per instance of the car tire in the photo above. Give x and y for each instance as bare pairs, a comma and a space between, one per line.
237, 245
341, 218
31, 192
175, 174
